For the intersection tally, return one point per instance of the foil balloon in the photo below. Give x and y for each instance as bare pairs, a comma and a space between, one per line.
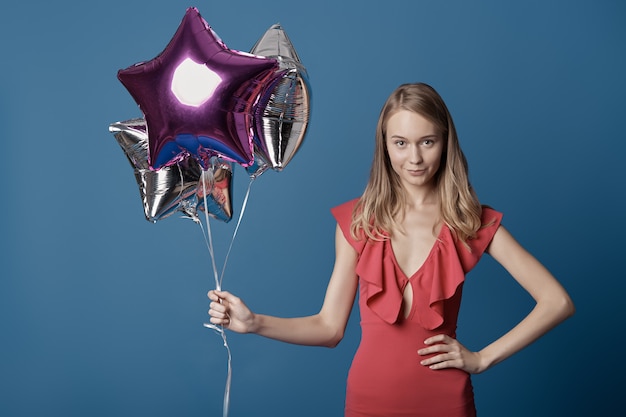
215, 188
175, 188
259, 166
282, 115
198, 96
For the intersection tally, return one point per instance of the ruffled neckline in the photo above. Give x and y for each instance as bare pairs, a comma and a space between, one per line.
436, 280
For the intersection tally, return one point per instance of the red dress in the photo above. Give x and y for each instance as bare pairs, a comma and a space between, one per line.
386, 378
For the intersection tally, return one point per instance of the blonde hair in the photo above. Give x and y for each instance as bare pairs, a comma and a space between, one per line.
383, 200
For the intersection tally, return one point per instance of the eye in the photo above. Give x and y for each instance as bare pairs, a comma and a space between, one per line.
428, 142
399, 143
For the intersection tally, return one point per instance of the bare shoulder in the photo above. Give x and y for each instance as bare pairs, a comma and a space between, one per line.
343, 248
504, 246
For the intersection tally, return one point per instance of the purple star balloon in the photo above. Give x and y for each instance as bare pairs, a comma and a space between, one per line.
198, 96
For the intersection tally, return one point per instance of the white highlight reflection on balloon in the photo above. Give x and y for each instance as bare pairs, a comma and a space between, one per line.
193, 84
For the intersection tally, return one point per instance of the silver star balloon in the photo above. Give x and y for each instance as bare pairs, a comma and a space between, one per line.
182, 187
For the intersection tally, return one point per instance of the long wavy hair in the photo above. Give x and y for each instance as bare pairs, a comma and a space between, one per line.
383, 201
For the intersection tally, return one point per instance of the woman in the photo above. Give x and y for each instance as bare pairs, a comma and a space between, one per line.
407, 244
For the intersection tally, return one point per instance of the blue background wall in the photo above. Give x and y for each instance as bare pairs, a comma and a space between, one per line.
101, 312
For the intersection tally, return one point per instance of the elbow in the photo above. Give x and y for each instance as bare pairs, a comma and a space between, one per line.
331, 330
565, 307
334, 339
556, 309
568, 307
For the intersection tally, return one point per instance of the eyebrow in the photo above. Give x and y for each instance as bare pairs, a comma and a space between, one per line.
435, 136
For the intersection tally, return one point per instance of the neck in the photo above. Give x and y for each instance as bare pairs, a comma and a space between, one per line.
421, 196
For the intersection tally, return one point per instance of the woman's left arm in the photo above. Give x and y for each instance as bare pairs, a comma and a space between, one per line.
553, 305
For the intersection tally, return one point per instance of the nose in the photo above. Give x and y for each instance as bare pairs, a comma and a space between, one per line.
415, 156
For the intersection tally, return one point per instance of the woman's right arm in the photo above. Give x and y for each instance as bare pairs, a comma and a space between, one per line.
325, 328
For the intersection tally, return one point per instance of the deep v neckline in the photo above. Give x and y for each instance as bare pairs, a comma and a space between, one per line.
424, 262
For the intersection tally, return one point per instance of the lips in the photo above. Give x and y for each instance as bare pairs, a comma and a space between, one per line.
416, 172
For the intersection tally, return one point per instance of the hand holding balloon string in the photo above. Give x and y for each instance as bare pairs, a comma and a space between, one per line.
231, 312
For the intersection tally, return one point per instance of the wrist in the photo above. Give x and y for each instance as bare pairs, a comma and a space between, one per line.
486, 360
255, 323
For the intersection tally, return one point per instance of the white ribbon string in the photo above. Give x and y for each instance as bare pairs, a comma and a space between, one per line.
229, 374
232, 240
218, 282
208, 238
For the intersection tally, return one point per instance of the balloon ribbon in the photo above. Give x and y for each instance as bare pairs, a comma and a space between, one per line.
218, 281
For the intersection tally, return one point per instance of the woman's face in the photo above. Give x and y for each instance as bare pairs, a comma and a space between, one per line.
415, 147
